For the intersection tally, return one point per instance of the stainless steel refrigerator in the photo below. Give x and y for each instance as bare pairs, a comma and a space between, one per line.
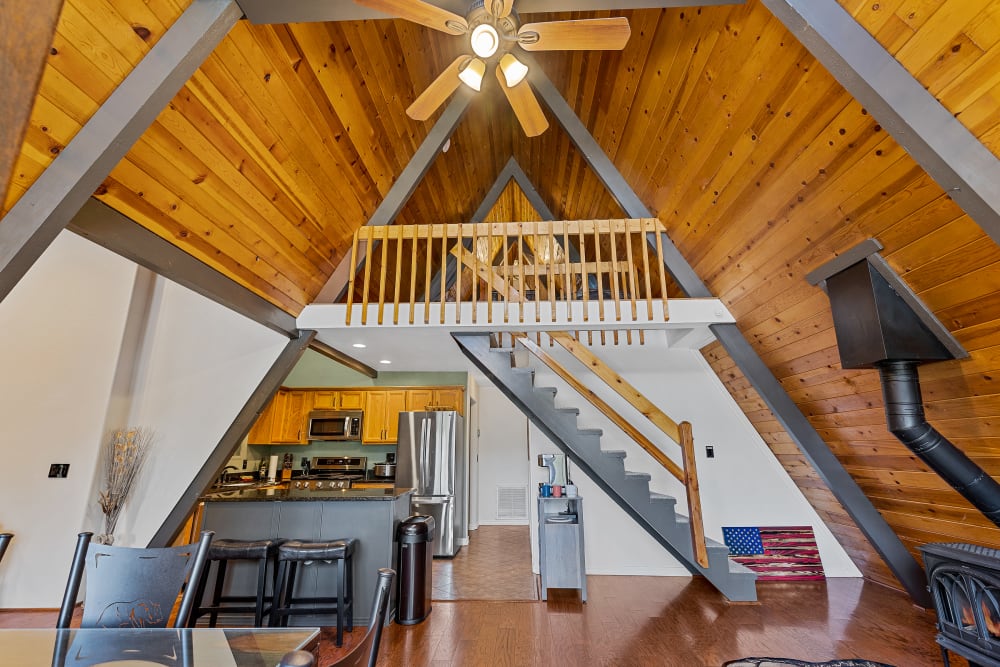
431, 459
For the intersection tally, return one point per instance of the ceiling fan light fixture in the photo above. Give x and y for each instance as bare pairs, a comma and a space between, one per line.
513, 69
472, 74
485, 41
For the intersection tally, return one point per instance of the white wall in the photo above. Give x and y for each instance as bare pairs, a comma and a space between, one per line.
503, 451
61, 332
742, 486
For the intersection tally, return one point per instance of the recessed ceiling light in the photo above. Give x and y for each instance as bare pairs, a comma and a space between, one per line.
384, 361
359, 345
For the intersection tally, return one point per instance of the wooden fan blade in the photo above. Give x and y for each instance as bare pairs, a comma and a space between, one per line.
499, 8
437, 92
420, 12
581, 35
525, 105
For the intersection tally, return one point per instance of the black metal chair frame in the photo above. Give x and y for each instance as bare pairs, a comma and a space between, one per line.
155, 578
365, 652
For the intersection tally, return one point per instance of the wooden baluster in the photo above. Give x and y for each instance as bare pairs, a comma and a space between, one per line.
615, 285
475, 274
693, 494
413, 270
538, 275
568, 281
584, 273
429, 250
550, 270
397, 237
444, 265
506, 275
520, 269
382, 270
662, 269
368, 275
644, 247
350, 281
630, 269
489, 284
460, 239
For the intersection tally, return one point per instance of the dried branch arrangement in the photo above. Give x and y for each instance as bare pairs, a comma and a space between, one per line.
124, 454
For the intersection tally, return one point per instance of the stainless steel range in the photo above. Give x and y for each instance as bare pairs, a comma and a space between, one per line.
331, 472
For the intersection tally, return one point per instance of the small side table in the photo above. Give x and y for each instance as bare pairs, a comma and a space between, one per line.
560, 544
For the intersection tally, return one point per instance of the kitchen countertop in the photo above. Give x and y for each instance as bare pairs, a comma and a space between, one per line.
253, 494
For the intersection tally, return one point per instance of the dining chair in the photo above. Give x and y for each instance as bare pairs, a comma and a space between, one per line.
365, 652
133, 587
5, 539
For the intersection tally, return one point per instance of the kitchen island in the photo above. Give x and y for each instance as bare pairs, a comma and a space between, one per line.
371, 516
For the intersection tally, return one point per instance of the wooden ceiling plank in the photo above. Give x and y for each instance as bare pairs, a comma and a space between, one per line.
942, 146
201, 189
935, 34
243, 57
336, 81
96, 47
31, 225
165, 193
241, 170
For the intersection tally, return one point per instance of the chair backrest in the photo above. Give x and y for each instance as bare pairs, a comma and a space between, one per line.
133, 587
365, 652
5, 539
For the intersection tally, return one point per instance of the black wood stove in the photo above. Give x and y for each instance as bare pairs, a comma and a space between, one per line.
964, 580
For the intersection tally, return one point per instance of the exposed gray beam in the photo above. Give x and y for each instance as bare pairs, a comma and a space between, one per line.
953, 156
232, 438
300, 11
881, 536
341, 358
49, 204
401, 190
108, 228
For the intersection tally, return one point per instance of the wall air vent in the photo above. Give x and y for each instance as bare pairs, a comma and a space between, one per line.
512, 503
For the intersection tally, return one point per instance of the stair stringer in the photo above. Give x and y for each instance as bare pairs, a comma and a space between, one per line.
630, 491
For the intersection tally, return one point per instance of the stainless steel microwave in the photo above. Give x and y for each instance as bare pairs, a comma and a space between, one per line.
335, 424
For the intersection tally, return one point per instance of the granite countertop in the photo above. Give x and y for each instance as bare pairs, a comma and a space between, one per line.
301, 495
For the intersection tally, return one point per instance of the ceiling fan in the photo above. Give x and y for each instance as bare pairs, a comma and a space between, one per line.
494, 31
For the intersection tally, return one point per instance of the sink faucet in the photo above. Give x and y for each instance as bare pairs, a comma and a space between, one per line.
222, 475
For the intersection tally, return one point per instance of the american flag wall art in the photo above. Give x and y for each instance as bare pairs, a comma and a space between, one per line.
776, 553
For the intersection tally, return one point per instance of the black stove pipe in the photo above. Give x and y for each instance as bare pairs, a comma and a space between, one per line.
904, 412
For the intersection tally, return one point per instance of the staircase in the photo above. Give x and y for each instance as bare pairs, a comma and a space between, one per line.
630, 490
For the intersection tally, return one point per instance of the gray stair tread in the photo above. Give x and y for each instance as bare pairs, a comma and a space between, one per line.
569, 411
638, 475
551, 390
615, 453
661, 497
590, 431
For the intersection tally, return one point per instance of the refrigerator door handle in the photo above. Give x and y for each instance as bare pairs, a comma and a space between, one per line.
435, 500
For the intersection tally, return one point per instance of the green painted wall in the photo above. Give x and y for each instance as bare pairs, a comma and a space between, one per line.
315, 370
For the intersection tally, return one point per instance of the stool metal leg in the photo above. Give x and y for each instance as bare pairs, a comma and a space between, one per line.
258, 614
341, 588
220, 580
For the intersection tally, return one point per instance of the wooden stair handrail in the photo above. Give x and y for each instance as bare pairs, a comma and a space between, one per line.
679, 433
634, 397
605, 409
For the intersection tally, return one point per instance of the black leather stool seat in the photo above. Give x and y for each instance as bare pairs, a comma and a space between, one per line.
286, 603
225, 550
332, 550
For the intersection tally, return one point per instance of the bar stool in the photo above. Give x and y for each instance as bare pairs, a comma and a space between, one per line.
293, 552
223, 551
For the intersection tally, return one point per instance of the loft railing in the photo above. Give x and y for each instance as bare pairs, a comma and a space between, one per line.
686, 474
521, 263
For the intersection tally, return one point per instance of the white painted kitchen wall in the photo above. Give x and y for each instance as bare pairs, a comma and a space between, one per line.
61, 332
742, 486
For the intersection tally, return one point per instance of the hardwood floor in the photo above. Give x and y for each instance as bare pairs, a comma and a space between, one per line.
632, 621
496, 565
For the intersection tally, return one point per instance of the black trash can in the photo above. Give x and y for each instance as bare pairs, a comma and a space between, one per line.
416, 553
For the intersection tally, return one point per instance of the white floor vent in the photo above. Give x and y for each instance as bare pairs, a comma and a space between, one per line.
512, 503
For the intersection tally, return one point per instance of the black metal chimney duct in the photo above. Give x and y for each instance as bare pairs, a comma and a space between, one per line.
904, 413
878, 328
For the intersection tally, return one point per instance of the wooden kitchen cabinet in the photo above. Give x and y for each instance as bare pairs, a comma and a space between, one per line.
338, 399
283, 421
381, 421
435, 398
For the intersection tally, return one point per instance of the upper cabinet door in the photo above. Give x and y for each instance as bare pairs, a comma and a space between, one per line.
450, 397
352, 399
325, 399
395, 403
381, 422
418, 400
289, 427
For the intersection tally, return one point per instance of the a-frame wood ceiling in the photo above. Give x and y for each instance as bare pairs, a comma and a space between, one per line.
759, 164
